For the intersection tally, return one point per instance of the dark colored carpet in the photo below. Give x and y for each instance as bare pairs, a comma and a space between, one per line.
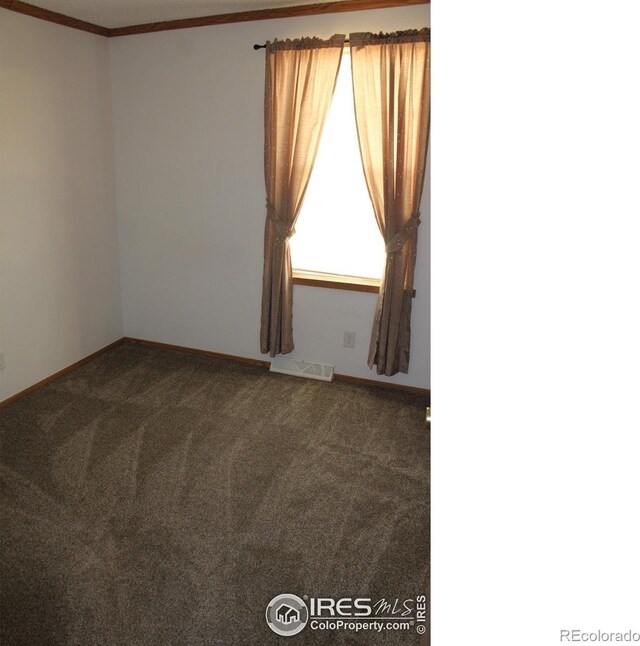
152, 497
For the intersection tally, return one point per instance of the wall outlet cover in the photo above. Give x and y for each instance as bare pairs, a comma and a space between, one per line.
349, 340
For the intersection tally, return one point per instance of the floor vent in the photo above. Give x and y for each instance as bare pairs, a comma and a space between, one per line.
299, 368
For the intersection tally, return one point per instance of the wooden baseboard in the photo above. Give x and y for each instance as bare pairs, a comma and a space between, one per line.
205, 353
265, 364
383, 384
60, 373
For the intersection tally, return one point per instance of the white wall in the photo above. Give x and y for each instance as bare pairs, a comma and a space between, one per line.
188, 124
59, 285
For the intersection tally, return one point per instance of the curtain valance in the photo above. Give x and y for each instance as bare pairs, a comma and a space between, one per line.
306, 43
408, 36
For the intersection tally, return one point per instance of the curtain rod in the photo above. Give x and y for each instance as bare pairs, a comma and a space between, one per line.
346, 41
257, 47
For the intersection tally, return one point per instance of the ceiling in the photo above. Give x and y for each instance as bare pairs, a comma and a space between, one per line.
121, 13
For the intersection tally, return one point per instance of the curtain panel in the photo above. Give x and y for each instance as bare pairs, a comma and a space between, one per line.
391, 75
300, 79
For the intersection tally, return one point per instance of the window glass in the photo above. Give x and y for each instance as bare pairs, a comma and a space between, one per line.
336, 231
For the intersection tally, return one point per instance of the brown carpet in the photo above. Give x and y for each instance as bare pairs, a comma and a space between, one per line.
152, 497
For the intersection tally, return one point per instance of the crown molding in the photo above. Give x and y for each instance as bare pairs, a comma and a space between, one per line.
219, 19
51, 16
265, 14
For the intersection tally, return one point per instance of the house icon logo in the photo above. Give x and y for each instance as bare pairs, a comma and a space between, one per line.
287, 614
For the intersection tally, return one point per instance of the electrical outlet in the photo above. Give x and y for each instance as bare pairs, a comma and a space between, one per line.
1, 360
349, 340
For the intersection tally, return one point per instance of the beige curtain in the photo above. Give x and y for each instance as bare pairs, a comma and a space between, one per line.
391, 94
300, 80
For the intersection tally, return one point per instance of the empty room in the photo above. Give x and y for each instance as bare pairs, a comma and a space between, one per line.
214, 322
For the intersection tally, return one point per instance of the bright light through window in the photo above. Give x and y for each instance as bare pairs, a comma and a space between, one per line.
336, 231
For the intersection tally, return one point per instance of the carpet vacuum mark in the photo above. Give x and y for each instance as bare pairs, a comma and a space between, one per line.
151, 497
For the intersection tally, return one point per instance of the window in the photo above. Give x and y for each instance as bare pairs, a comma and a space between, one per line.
336, 231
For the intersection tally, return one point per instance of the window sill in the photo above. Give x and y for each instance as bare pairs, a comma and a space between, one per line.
336, 281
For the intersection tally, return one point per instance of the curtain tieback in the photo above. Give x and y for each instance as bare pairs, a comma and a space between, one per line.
405, 232
283, 231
